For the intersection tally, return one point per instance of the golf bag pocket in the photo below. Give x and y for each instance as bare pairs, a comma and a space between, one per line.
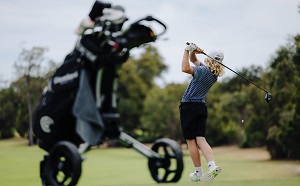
54, 121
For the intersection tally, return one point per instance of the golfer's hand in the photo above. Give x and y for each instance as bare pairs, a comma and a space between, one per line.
191, 47
198, 51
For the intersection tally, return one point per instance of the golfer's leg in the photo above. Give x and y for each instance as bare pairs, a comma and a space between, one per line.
213, 170
205, 148
194, 152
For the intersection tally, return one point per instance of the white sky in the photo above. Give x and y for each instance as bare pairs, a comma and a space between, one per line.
248, 32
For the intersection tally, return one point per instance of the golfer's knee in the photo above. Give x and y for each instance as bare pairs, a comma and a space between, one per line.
201, 141
191, 143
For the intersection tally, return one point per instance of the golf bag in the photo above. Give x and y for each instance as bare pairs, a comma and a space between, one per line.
82, 92
79, 106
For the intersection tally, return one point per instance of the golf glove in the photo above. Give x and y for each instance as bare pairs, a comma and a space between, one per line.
191, 47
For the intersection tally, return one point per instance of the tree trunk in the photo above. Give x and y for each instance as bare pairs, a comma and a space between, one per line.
29, 107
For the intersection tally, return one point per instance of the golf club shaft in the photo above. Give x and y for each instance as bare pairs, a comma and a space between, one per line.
233, 71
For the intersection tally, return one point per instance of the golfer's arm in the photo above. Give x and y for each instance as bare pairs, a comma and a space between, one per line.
185, 64
194, 59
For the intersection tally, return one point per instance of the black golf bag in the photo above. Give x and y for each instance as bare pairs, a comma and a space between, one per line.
68, 109
79, 106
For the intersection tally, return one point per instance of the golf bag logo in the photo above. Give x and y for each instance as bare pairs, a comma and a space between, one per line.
45, 123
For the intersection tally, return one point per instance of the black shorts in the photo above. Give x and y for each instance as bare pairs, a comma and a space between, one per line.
193, 117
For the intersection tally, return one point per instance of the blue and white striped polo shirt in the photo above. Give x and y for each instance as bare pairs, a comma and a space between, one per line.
203, 80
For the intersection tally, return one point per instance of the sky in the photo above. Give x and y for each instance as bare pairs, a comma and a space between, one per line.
249, 32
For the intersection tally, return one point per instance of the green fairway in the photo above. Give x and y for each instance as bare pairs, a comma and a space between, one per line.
121, 166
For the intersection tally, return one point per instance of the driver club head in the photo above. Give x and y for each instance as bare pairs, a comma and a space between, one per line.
268, 97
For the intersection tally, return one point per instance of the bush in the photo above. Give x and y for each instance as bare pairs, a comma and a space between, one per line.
7, 133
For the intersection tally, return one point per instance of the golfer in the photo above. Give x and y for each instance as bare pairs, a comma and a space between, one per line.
193, 109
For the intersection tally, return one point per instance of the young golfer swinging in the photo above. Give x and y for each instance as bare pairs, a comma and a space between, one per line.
193, 109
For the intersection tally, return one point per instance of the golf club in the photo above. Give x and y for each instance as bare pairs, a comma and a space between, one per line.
268, 96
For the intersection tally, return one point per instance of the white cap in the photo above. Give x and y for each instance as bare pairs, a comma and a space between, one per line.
217, 54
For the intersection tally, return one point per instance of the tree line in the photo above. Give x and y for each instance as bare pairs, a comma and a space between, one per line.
237, 111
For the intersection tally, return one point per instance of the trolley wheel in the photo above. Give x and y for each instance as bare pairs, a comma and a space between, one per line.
169, 167
62, 166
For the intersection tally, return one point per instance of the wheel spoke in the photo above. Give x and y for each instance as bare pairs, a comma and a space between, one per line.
168, 153
166, 176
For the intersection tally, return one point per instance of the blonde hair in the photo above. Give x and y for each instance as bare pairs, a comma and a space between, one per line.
216, 68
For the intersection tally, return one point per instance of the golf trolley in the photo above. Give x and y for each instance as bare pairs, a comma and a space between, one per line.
78, 110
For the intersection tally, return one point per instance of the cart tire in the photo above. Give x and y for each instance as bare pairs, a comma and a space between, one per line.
169, 167
62, 166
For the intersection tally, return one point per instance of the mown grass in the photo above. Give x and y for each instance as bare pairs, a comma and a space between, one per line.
19, 165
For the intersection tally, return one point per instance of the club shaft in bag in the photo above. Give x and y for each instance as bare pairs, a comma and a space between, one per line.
233, 71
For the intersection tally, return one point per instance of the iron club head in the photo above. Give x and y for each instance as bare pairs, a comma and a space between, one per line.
268, 97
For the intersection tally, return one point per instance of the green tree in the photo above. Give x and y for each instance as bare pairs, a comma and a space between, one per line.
235, 110
28, 65
223, 118
283, 135
161, 112
236, 83
256, 116
8, 111
21, 113
136, 80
